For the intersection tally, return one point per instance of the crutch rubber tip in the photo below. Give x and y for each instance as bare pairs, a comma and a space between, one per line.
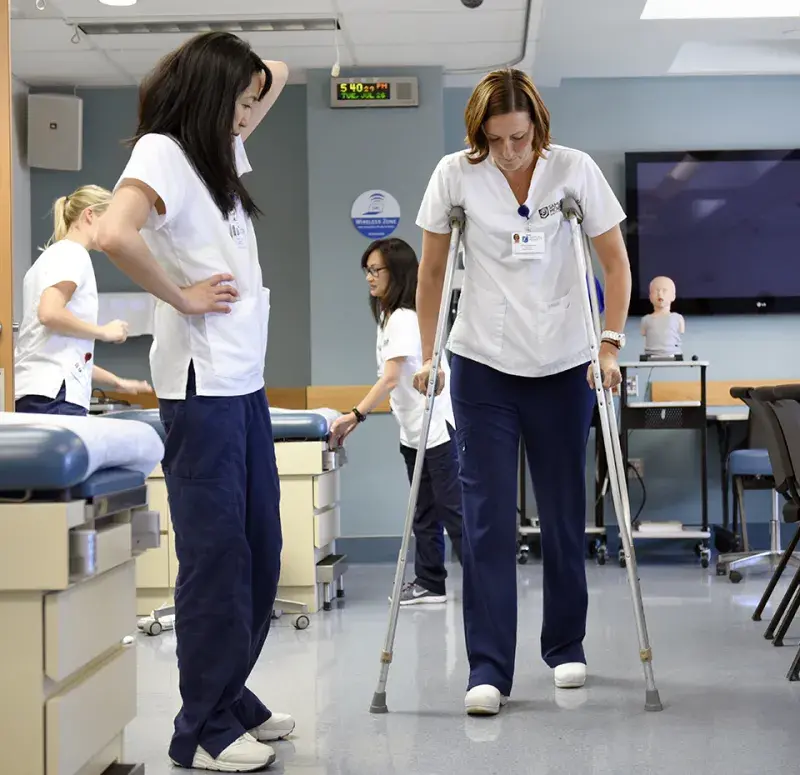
652, 700
379, 703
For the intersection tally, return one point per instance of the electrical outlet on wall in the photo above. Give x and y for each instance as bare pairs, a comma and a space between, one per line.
632, 385
635, 465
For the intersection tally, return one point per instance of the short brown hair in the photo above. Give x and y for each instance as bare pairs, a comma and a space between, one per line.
499, 93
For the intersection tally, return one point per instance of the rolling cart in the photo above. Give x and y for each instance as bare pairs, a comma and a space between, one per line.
669, 415
528, 530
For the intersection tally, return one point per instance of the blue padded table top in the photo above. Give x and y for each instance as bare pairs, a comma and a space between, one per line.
54, 460
286, 426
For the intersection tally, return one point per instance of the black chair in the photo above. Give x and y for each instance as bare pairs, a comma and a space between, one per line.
758, 466
784, 403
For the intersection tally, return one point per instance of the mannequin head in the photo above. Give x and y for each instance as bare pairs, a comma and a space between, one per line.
662, 294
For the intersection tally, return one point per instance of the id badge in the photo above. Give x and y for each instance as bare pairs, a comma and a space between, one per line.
527, 245
238, 227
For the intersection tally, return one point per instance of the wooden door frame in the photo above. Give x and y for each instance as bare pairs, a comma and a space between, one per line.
6, 210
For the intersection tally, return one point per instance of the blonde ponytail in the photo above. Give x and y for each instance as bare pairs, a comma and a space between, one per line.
67, 210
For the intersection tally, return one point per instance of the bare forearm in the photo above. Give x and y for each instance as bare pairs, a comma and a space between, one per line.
377, 395
63, 322
617, 297
103, 378
430, 284
130, 254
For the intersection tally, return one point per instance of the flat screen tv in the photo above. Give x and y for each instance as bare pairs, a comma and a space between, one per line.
724, 225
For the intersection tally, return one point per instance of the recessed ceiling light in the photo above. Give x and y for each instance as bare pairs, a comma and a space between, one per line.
720, 9
118, 2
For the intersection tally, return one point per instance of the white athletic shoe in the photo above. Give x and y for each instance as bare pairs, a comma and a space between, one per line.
243, 755
278, 727
484, 700
571, 675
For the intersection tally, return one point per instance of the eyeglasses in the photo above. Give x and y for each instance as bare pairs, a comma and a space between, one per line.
373, 271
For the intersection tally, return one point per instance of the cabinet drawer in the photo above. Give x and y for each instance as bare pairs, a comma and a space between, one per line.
88, 619
152, 567
88, 714
326, 490
92, 552
326, 527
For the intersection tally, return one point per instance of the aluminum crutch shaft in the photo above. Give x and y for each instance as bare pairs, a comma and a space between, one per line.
608, 421
457, 219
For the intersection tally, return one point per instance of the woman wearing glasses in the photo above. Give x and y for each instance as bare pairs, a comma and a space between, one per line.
391, 266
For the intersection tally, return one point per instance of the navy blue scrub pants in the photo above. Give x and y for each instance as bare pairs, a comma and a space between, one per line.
438, 506
553, 414
43, 405
224, 498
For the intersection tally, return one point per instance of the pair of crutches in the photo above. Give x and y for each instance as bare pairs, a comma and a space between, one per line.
619, 490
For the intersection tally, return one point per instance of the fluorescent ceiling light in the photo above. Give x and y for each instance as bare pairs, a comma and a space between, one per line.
118, 2
720, 9
137, 26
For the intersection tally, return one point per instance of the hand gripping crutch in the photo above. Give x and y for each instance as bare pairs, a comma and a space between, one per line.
457, 228
608, 420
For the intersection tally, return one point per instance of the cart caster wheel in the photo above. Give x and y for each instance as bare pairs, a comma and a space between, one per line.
340, 593
301, 622
522, 555
722, 570
735, 576
276, 615
154, 629
602, 555
704, 562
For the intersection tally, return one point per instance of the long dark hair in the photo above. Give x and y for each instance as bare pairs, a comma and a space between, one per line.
402, 265
191, 96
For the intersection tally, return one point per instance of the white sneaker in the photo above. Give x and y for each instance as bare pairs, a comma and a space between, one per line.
484, 700
278, 727
243, 755
571, 675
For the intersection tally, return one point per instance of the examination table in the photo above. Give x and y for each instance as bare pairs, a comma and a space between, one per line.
311, 570
74, 517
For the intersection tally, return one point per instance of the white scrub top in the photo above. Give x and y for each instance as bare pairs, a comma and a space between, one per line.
399, 338
194, 241
520, 313
43, 359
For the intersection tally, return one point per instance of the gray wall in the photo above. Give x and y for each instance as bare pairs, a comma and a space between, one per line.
279, 184
351, 151
606, 118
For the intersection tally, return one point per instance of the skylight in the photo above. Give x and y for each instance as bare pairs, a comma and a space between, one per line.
720, 9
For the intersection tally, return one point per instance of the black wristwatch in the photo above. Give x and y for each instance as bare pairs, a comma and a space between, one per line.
360, 417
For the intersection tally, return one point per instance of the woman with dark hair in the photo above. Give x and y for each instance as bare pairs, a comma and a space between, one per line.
180, 226
390, 266
520, 357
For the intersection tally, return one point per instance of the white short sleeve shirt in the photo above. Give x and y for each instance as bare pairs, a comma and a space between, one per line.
520, 313
399, 338
43, 359
193, 240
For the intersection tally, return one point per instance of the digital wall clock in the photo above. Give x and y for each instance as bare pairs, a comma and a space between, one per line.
388, 92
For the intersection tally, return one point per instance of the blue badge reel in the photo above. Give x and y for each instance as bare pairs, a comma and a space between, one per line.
375, 214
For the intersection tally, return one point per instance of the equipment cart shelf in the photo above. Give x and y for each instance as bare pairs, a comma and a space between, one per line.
670, 415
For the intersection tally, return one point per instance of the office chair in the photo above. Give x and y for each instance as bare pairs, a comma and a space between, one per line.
759, 466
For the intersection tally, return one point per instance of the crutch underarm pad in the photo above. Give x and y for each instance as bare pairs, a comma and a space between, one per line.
764, 393
791, 513
457, 217
571, 207
787, 392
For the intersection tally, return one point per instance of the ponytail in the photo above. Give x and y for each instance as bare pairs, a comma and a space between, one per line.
67, 210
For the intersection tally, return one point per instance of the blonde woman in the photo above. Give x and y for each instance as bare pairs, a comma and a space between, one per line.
54, 357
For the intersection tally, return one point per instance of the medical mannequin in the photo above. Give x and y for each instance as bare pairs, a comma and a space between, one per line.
54, 368
390, 266
663, 329
181, 198
520, 366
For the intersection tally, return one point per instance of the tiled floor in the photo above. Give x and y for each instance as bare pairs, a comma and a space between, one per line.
728, 707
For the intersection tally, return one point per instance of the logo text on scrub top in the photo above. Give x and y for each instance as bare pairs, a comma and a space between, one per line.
552, 209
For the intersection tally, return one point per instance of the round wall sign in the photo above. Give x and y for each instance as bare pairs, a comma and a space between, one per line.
375, 214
